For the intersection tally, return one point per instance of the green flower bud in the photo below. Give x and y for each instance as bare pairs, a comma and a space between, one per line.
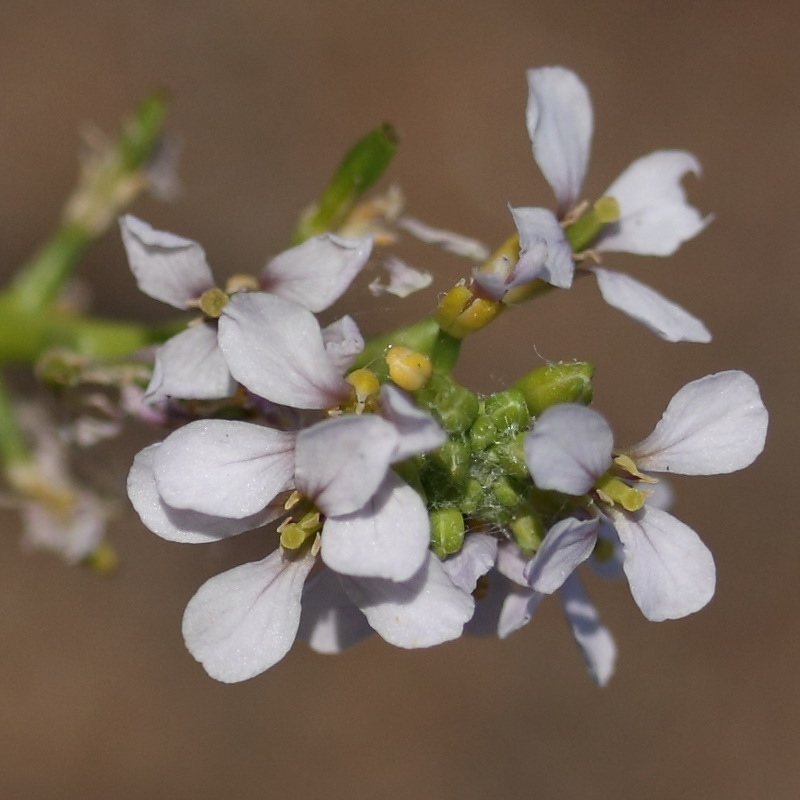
454, 405
565, 382
453, 456
482, 433
507, 409
528, 531
447, 531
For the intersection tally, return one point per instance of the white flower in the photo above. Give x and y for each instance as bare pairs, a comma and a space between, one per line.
509, 604
713, 425
174, 270
216, 478
655, 218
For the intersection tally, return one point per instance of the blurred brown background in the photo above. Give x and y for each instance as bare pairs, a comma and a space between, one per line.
98, 698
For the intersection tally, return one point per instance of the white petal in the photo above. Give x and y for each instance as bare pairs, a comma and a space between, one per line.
167, 267
343, 342
567, 545
340, 462
244, 621
404, 280
224, 467
511, 563
518, 608
655, 218
387, 538
181, 525
330, 622
568, 449
190, 366
418, 431
450, 242
275, 348
592, 637
610, 567
670, 571
560, 122
425, 610
713, 425
665, 318
540, 224
317, 272
475, 559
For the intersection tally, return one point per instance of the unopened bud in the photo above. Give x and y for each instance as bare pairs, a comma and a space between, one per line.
447, 531
557, 383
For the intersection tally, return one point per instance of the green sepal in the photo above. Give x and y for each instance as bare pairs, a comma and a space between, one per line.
361, 167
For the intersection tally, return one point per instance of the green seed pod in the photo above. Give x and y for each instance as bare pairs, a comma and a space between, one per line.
447, 531
566, 382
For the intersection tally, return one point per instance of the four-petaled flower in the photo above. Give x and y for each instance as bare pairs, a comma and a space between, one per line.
654, 217
174, 270
713, 425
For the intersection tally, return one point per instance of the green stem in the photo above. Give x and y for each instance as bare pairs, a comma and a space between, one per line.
24, 336
13, 448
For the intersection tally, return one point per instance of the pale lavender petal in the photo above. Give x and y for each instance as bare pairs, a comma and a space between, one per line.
713, 425
343, 342
511, 563
655, 218
670, 571
489, 600
340, 462
610, 566
592, 637
387, 538
275, 348
665, 318
518, 608
330, 622
476, 558
244, 621
536, 225
224, 468
560, 123
567, 545
418, 431
181, 525
190, 366
568, 449
404, 280
317, 272
425, 610
166, 267
450, 242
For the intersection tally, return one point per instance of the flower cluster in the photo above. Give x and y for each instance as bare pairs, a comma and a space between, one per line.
393, 499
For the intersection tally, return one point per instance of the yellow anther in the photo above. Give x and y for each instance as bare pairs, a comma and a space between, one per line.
460, 312
294, 534
409, 369
212, 301
366, 385
628, 466
241, 283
